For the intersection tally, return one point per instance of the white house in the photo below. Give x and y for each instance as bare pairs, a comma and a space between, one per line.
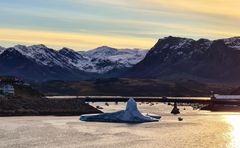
7, 89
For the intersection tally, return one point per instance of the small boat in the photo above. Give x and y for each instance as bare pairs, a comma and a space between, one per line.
180, 119
99, 107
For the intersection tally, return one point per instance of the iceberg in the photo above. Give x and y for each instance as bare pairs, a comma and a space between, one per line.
130, 115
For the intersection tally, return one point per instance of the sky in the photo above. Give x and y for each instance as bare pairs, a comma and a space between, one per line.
87, 24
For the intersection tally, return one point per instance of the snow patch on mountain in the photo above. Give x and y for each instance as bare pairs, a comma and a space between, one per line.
104, 59
233, 42
1, 49
43, 55
182, 43
102, 51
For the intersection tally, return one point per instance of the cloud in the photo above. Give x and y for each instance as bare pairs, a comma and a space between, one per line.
227, 8
72, 40
213, 14
125, 23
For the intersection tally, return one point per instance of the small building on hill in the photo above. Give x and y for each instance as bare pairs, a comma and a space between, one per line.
7, 89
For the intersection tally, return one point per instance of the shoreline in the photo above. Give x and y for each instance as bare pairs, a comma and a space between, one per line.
17, 106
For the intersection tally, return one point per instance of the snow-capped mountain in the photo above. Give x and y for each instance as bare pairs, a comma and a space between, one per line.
99, 61
183, 58
170, 58
1, 49
14, 63
43, 55
233, 42
104, 59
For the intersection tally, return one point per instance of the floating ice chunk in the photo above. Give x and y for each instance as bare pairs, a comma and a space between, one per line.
130, 115
152, 115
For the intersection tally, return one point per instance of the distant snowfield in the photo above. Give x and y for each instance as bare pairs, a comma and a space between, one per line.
198, 129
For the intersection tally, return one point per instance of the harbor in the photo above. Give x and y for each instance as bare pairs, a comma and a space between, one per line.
198, 129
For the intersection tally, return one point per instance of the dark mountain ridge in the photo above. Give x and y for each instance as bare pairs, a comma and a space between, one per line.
174, 58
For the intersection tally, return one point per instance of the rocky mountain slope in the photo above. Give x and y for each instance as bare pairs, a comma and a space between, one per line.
175, 58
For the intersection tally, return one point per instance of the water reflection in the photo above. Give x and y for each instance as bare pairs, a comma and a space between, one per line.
234, 121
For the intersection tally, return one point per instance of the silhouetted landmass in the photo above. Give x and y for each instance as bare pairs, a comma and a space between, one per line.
236, 91
202, 60
28, 101
131, 87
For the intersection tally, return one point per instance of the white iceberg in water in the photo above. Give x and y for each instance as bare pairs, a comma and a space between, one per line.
130, 115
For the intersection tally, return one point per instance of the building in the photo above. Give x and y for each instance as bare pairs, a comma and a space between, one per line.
224, 103
225, 97
7, 89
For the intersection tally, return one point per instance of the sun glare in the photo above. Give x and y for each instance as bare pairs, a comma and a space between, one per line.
234, 121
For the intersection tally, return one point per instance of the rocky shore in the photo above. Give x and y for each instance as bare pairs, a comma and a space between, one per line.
29, 102
31, 107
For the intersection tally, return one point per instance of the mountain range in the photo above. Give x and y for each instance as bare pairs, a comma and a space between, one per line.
39, 62
171, 58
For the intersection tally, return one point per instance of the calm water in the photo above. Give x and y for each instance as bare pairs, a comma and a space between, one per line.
198, 129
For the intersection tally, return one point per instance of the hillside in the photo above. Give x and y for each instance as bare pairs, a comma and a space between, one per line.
130, 87
28, 101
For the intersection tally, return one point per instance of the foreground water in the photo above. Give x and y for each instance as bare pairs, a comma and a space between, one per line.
198, 129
